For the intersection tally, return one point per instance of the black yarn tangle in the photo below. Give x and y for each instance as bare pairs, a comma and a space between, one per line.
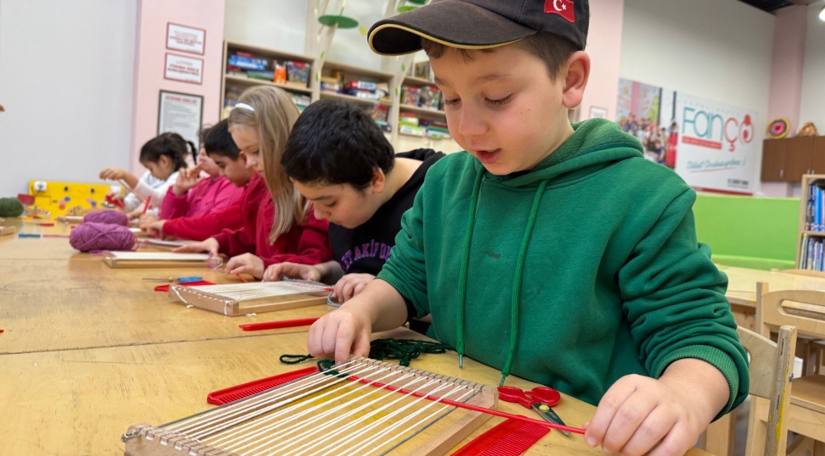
403, 350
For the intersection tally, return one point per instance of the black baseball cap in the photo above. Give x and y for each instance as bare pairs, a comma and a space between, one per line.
480, 24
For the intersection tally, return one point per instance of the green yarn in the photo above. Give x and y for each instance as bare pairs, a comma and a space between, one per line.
404, 350
10, 207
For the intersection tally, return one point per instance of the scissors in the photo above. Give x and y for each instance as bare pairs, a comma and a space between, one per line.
540, 399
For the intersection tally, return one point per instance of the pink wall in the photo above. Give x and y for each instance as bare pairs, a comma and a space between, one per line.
786, 76
153, 16
604, 44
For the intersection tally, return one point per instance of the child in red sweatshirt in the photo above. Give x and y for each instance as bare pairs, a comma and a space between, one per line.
222, 150
281, 226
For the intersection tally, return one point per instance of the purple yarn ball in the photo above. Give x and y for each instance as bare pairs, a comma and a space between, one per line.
111, 217
101, 236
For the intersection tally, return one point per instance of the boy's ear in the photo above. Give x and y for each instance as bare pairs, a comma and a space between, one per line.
576, 72
242, 158
379, 180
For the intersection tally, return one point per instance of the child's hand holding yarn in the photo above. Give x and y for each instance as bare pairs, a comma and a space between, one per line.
246, 263
187, 179
209, 246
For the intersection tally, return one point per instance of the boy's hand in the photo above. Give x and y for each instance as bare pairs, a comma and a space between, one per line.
209, 246
639, 415
338, 333
187, 179
246, 263
134, 215
278, 271
350, 285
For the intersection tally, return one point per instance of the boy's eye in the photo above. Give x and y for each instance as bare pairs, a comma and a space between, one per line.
452, 102
499, 101
330, 205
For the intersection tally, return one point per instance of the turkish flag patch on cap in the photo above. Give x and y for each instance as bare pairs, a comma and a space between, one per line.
563, 8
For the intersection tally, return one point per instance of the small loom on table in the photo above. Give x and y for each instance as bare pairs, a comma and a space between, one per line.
246, 298
155, 259
364, 407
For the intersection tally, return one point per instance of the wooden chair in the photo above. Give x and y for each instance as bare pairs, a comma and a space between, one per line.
771, 368
805, 415
771, 373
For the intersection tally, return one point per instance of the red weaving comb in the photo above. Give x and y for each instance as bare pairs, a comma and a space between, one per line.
233, 393
508, 438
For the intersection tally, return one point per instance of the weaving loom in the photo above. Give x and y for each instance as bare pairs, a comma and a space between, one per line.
245, 298
368, 407
155, 259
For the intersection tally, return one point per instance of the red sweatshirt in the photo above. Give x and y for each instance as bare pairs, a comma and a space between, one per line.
303, 244
207, 226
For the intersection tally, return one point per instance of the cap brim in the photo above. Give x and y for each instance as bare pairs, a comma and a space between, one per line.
451, 23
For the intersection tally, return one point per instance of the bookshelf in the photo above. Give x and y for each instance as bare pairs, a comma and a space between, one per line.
233, 83
810, 246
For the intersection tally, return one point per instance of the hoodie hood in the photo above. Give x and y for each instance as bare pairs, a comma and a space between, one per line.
595, 143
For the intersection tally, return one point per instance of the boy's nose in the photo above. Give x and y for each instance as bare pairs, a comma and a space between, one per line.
471, 123
319, 214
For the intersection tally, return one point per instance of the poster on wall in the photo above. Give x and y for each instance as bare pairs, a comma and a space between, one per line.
182, 114
709, 144
186, 69
186, 39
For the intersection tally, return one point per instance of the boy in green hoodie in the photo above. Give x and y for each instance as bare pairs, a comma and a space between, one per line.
551, 251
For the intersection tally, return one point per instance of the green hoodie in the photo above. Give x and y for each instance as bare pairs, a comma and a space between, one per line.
574, 274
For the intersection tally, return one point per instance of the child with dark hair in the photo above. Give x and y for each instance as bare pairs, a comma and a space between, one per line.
339, 159
195, 194
193, 197
550, 250
163, 156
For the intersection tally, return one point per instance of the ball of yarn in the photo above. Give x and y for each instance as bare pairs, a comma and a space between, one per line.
111, 217
10, 207
101, 236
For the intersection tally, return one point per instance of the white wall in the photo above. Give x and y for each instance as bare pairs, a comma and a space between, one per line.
812, 108
281, 24
66, 74
721, 50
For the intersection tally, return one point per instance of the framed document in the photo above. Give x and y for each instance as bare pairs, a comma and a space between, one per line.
181, 68
186, 39
181, 113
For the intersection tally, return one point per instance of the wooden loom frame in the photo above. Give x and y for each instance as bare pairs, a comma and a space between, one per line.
210, 298
436, 437
158, 260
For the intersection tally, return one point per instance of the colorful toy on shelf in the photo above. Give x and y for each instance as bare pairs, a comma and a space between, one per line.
430, 98
410, 96
379, 112
809, 129
779, 128
297, 73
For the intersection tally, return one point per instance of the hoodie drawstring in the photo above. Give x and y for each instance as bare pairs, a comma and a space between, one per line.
517, 279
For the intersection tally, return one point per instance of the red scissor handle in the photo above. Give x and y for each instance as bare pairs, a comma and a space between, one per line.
540, 394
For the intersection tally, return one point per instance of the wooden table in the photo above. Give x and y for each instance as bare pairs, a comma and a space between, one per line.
88, 351
80, 401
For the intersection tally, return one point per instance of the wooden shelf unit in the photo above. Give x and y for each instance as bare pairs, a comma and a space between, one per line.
802, 232
234, 81
351, 72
